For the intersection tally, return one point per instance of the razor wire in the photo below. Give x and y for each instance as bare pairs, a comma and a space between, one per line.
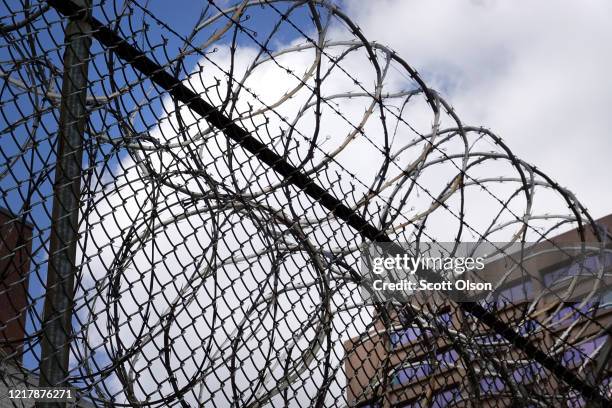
211, 271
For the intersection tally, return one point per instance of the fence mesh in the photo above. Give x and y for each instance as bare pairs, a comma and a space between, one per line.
184, 208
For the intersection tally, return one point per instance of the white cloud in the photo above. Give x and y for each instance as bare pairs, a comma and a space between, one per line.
535, 72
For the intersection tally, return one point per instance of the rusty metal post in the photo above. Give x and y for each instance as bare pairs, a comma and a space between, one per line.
56, 328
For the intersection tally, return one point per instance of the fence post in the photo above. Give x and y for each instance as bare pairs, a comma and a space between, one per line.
56, 327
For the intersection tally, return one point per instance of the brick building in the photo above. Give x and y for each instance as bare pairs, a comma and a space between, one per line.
15, 254
451, 360
15, 260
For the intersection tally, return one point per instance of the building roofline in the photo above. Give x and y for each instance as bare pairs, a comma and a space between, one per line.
13, 216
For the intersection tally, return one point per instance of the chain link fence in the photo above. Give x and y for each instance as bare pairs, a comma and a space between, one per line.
184, 209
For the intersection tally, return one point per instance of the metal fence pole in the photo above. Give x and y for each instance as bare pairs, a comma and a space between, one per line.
56, 327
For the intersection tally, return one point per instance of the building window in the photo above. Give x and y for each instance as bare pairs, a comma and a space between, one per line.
588, 267
576, 355
575, 401
446, 397
509, 296
527, 373
528, 327
412, 372
491, 385
571, 313
405, 336
490, 340
515, 294
445, 319
448, 358
606, 300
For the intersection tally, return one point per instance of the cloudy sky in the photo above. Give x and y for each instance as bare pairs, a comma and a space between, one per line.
535, 72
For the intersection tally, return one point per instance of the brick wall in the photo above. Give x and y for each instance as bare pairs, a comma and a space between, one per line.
15, 253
